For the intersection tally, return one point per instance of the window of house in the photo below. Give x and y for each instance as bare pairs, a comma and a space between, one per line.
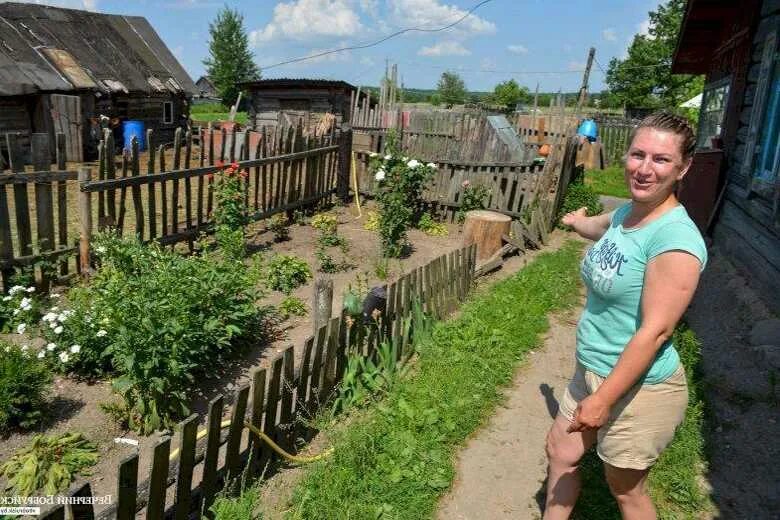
168, 112
768, 149
713, 109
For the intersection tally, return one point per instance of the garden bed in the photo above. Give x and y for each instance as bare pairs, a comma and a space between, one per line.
75, 405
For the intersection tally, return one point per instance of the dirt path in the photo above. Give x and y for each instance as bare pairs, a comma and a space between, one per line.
501, 470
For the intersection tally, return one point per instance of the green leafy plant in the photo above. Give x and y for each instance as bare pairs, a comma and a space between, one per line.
399, 195
430, 227
278, 224
382, 268
353, 296
293, 306
24, 382
474, 196
299, 217
577, 196
230, 216
287, 272
372, 221
157, 321
49, 464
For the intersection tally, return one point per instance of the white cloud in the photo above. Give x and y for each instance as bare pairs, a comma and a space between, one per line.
518, 49
431, 14
488, 64
367, 61
644, 28
446, 48
309, 20
609, 34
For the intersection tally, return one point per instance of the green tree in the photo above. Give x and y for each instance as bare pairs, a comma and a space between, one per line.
509, 94
644, 78
230, 61
452, 89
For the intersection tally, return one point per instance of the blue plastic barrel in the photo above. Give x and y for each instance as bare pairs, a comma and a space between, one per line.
588, 129
135, 129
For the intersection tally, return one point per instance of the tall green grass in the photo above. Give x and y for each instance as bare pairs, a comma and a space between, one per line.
396, 459
609, 181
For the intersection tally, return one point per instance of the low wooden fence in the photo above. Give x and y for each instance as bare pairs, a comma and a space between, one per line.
279, 401
614, 135
35, 211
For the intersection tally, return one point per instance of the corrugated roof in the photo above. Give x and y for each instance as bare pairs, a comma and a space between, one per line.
108, 49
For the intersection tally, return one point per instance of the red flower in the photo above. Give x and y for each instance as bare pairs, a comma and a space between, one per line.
219, 164
234, 165
245, 174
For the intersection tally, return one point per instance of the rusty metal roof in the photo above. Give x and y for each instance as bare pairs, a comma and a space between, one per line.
45, 48
296, 83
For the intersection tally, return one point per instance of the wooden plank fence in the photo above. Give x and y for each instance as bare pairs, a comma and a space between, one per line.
279, 401
34, 212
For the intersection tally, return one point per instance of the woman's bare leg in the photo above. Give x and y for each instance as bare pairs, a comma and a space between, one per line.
629, 488
564, 451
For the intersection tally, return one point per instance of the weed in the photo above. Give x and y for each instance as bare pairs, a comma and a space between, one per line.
474, 196
293, 306
430, 227
382, 268
278, 224
285, 273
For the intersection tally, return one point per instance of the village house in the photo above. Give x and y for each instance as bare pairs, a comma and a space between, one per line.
206, 89
733, 187
274, 102
61, 69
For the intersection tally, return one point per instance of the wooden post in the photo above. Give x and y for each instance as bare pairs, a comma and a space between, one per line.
345, 150
85, 220
322, 304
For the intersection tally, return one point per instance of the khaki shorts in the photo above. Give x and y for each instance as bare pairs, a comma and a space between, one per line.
641, 423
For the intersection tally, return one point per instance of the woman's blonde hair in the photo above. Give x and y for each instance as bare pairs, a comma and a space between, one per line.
675, 124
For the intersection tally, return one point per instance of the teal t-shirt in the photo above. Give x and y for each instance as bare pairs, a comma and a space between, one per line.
614, 271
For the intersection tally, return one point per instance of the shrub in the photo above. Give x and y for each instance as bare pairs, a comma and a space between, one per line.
473, 197
577, 196
24, 382
278, 225
49, 463
324, 222
230, 215
399, 195
372, 221
158, 321
430, 227
293, 306
285, 273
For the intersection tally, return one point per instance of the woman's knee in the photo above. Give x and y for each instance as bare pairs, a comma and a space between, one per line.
563, 449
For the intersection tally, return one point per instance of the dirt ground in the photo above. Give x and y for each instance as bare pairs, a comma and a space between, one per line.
75, 406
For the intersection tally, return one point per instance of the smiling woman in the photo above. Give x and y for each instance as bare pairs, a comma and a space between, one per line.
629, 393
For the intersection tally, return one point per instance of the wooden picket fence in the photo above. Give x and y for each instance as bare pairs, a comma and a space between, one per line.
35, 210
614, 137
286, 170
279, 401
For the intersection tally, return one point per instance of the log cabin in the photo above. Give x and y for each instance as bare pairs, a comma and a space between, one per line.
61, 69
733, 188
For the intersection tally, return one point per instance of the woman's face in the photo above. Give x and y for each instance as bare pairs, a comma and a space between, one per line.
653, 164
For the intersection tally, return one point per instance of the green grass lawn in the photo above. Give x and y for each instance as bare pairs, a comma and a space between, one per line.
205, 117
608, 182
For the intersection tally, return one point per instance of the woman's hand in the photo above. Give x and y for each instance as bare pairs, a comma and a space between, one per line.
574, 217
591, 413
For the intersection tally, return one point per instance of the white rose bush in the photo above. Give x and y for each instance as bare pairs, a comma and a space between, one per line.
399, 185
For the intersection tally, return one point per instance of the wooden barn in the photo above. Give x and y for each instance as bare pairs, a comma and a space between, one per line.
733, 189
275, 102
206, 89
61, 69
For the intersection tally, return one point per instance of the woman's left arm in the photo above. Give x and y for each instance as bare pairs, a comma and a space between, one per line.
670, 281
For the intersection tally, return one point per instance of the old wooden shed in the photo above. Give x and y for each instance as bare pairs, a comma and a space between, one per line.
735, 44
275, 102
60, 69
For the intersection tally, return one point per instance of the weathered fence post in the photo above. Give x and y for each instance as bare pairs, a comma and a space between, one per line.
345, 149
322, 304
85, 220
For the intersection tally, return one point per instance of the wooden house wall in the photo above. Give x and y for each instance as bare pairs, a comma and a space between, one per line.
268, 106
746, 227
15, 117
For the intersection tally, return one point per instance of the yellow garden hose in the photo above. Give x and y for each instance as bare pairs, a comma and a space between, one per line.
355, 187
268, 440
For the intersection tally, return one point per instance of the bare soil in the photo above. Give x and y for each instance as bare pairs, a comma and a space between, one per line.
75, 405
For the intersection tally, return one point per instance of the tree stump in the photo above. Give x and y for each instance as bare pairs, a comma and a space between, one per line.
485, 228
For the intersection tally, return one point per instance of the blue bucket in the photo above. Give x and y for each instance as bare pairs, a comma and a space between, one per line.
135, 129
588, 129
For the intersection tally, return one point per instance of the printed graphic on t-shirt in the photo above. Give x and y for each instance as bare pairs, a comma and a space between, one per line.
604, 261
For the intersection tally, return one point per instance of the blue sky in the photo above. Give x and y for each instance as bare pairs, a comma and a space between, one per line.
528, 40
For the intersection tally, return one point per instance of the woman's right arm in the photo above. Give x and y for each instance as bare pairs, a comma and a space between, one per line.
591, 228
